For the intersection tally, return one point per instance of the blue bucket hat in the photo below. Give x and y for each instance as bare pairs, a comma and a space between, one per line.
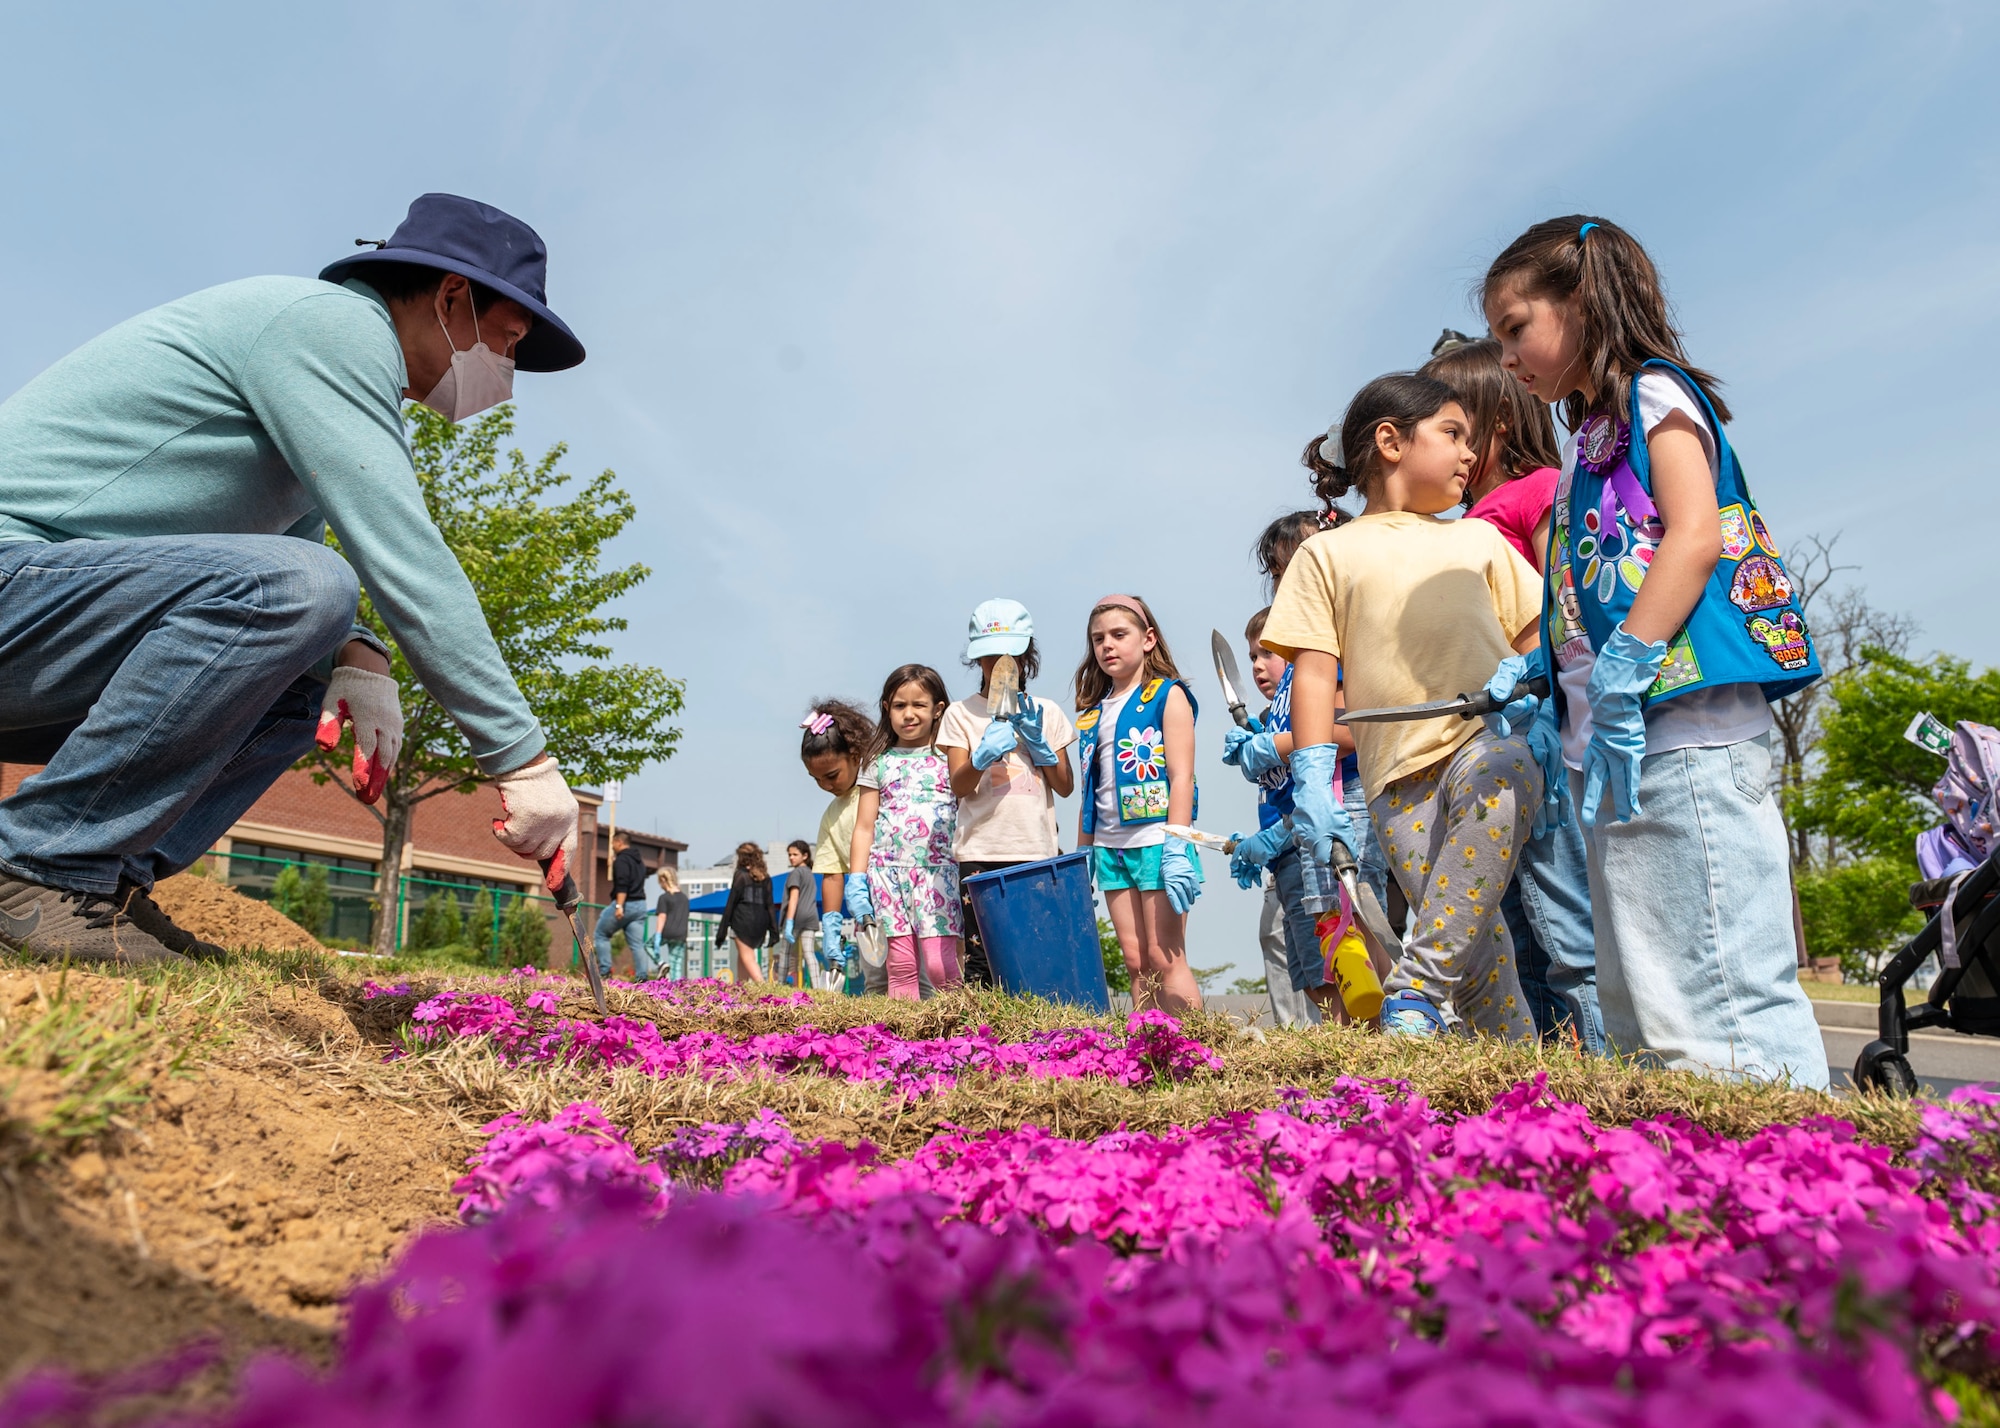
495, 250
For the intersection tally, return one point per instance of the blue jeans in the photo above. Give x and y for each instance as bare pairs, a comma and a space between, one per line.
1547, 908
672, 958
166, 682
634, 923
1371, 866
1692, 908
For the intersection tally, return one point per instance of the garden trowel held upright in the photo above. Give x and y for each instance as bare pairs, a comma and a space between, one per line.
1003, 691
567, 899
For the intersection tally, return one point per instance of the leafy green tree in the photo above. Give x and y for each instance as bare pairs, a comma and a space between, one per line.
1206, 977
1869, 797
1250, 987
315, 903
535, 563
285, 891
524, 934
439, 924
479, 922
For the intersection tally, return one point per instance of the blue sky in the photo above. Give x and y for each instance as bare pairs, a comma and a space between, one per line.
893, 308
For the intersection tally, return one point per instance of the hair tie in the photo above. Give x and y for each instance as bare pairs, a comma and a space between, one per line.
1583, 230
816, 723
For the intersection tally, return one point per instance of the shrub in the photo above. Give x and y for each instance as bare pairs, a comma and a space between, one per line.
524, 934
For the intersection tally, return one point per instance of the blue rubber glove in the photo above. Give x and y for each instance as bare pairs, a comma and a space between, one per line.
1255, 754
1253, 853
994, 745
788, 931
1626, 668
1028, 728
854, 896
1517, 712
1545, 743
830, 937
1316, 815
1182, 880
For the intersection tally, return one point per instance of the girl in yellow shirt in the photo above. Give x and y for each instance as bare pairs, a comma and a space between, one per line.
1417, 609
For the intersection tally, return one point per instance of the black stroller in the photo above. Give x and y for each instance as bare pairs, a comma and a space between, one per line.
1966, 996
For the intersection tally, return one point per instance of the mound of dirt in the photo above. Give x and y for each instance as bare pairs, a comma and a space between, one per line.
239, 1201
217, 913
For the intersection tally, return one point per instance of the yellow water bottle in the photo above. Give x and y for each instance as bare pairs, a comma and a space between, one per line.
1349, 967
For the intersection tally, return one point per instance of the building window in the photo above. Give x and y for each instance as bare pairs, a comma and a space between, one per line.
350, 882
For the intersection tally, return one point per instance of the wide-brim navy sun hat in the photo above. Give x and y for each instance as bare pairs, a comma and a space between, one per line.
494, 249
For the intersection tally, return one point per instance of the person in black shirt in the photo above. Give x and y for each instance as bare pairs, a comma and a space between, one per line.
670, 927
627, 909
746, 916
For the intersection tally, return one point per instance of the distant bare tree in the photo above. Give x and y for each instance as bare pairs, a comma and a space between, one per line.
1842, 623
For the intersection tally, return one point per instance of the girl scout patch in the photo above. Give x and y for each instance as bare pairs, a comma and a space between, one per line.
1762, 533
1783, 639
1736, 541
1760, 584
1678, 669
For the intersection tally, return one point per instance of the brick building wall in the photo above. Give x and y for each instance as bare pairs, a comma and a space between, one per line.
451, 837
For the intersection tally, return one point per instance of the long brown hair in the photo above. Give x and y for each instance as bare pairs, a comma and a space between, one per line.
1495, 401
1283, 537
1092, 683
922, 675
750, 859
1615, 290
836, 727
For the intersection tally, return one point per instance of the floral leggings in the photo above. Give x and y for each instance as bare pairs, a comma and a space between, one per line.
1452, 833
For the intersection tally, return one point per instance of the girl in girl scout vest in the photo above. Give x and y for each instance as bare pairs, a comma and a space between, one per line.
1135, 742
1670, 623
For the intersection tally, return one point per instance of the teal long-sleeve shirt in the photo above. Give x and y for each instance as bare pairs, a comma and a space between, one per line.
269, 406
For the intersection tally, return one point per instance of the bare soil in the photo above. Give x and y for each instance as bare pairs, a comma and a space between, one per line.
238, 1200
217, 913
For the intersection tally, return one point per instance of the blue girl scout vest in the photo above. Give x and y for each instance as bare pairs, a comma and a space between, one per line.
1141, 764
1747, 628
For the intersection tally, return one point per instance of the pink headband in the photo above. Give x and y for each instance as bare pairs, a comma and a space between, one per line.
816, 723
1126, 602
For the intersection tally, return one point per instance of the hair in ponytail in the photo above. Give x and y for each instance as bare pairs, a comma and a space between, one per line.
836, 727
1346, 458
1496, 402
1600, 269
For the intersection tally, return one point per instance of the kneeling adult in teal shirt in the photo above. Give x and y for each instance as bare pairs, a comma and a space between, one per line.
173, 627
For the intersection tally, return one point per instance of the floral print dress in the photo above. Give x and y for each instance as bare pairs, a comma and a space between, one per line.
912, 878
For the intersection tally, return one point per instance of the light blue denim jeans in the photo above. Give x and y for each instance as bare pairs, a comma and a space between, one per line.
671, 958
166, 682
634, 923
1692, 909
1547, 908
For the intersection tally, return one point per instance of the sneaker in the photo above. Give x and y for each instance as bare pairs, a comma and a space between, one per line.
1411, 1014
150, 918
58, 923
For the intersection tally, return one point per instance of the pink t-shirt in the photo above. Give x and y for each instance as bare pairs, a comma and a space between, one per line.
1516, 507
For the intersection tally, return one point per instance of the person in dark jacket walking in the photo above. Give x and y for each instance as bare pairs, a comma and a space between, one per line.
627, 909
746, 916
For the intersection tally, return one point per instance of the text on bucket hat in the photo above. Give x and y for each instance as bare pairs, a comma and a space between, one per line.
495, 250
999, 627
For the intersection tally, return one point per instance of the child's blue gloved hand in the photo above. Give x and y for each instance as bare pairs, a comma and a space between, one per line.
788, 930
994, 745
1514, 713
1255, 753
1028, 727
1182, 879
1317, 815
1253, 854
829, 937
1626, 668
1545, 743
854, 896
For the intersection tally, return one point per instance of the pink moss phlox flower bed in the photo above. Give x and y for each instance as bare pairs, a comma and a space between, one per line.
1384, 1266
1152, 1048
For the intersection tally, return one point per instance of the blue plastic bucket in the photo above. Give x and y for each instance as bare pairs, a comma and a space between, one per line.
1039, 924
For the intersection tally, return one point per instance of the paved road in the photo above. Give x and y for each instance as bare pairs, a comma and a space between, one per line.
1941, 1059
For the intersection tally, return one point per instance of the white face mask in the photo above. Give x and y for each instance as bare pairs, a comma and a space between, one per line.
476, 380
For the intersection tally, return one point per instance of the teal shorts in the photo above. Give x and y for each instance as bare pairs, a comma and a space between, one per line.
1138, 868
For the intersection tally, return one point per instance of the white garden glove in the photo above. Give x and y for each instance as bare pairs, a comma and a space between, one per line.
541, 816
371, 703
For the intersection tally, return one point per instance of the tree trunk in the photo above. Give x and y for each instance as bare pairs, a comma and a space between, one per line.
398, 806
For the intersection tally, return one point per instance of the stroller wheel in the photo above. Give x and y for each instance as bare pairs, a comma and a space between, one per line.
1881, 1067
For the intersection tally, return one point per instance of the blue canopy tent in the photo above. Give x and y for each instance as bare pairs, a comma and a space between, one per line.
713, 903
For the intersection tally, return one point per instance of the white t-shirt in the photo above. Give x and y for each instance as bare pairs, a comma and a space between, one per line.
1706, 718
1012, 818
1111, 830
